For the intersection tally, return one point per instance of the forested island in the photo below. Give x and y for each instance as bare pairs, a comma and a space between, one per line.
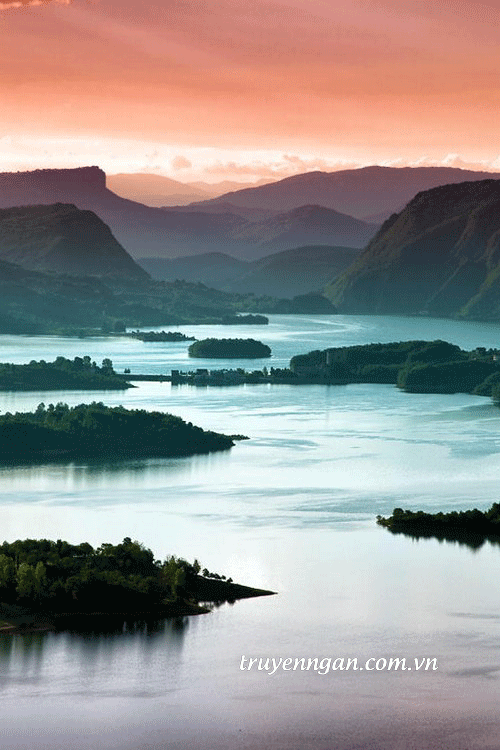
160, 336
96, 430
62, 374
469, 527
229, 349
46, 585
414, 366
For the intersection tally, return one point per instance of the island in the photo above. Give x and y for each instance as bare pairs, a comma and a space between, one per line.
62, 374
96, 430
46, 585
160, 336
229, 349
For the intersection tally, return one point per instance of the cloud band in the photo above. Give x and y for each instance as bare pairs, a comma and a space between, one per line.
6, 4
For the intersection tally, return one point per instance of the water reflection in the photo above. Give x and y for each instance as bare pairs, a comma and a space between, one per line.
473, 540
125, 472
125, 658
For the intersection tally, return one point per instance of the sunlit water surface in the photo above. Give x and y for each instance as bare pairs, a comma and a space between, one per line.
292, 509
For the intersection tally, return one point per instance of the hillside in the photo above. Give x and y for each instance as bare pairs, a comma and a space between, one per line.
370, 193
35, 302
62, 239
212, 269
294, 272
285, 274
439, 256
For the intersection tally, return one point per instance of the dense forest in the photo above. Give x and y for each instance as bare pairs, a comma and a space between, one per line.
45, 582
97, 430
229, 349
81, 373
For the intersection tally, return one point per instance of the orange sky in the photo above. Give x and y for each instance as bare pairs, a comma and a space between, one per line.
243, 88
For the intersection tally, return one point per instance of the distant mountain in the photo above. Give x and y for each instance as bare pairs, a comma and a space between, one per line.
212, 269
224, 207
294, 272
365, 192
306, 225
439, 256
285, 274
228, 186
155, 190
63, 239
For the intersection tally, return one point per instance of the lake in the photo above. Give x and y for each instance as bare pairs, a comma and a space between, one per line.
292, 510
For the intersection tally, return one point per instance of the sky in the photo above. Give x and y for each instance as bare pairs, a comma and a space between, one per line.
248, 89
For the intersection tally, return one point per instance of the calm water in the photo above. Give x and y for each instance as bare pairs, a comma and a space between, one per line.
292, 510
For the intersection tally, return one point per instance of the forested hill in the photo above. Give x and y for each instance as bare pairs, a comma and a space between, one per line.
60, 238
97, 430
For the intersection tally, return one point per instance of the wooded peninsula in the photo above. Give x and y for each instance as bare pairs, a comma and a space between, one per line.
46, 585
414, 366
487, 522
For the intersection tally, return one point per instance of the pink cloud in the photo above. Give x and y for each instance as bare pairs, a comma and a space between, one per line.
180, 162
6, 4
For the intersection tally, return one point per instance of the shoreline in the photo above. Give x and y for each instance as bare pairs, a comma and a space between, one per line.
206, 590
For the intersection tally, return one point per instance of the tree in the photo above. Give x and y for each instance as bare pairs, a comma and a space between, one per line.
174, 574
7, 571
26, 581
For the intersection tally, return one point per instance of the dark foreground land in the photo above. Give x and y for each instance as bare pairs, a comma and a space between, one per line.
46, 585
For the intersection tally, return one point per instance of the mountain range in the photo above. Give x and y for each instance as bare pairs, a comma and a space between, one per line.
439, 256
156, 190
170, 232
369, 193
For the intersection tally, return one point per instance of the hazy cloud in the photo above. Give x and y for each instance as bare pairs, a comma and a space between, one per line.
289, 165
180, 162
6, 4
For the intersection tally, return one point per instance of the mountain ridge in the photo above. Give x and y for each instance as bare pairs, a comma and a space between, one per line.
372, 191
439, 256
